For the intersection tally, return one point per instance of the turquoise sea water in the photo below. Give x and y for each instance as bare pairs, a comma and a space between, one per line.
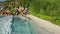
19, 25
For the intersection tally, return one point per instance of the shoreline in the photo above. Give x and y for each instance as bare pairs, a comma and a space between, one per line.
45, 24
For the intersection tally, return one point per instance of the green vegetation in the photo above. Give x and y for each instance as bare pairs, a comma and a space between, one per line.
54, 19
45, 9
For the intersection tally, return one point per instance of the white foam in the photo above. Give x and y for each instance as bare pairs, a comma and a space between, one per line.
5, 25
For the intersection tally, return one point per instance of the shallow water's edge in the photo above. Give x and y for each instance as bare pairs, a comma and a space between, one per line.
5, 24
9, 23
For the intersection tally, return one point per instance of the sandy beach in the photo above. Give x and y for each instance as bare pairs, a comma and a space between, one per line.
45, 24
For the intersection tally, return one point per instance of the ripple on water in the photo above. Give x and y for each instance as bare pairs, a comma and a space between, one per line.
5, 24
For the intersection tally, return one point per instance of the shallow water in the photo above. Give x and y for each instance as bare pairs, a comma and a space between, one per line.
19, 25
5, 24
